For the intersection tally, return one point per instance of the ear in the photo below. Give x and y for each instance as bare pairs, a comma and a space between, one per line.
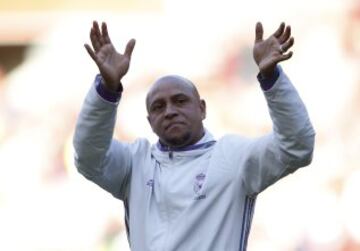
203, 109
148, 118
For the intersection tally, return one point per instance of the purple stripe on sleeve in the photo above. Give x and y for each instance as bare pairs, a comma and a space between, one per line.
105, 93
267, 83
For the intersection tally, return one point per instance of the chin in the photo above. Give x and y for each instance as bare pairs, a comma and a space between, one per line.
179, 141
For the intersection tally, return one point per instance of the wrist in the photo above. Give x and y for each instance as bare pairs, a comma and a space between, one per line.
267, 82
105, 92
110, 86
268, 72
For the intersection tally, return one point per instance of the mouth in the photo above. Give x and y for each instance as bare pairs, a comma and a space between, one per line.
174, 124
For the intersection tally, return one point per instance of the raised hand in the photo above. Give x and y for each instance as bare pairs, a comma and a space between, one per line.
267, 53
112, 65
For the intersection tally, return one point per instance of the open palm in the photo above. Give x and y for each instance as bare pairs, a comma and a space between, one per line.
267, 53
112, 65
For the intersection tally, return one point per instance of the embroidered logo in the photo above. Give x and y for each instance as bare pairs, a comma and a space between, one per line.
150, 183
198, 184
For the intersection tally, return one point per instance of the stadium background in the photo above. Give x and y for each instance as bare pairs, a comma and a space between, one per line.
45, 72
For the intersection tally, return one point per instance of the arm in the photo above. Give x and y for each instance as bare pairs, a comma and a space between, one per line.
105, 161
291, 143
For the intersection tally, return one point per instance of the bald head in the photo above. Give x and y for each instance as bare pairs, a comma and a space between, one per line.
175, 111
171, 81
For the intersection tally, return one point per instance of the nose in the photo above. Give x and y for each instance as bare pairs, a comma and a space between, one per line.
170, 111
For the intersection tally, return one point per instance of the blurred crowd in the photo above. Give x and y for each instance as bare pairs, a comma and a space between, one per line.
46, 205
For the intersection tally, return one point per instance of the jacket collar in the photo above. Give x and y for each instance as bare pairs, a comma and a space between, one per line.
206, 141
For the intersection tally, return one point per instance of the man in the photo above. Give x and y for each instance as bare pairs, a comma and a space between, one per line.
188, 191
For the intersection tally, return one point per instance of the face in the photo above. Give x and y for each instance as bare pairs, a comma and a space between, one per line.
175, 111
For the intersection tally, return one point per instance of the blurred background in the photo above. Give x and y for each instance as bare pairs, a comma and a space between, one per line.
45, 72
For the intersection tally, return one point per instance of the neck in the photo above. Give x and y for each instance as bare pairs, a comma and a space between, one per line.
184, 144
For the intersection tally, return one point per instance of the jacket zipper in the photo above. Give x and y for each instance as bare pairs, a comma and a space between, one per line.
171, 155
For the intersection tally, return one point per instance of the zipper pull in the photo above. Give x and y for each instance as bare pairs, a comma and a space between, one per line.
170, 152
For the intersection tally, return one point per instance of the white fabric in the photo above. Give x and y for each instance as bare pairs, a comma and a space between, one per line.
201, 199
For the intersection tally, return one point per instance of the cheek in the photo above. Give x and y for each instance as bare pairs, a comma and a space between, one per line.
196, 117
155, 123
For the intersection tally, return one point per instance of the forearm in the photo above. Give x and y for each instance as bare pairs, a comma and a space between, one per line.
94, 131
291, 124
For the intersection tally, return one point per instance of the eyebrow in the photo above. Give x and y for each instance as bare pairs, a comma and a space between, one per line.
171, 97
193, 91
179, 95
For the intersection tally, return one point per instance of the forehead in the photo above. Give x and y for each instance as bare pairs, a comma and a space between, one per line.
168, 87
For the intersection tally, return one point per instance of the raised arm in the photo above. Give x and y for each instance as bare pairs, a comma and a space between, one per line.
290, 145
98, 157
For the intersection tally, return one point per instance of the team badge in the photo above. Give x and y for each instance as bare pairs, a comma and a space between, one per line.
199, 182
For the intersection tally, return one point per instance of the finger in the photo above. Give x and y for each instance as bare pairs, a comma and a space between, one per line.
105, 33
280, 30
288, 44
286, 34
285, 56
129, 48
98, 33
91, 53
94, 40
259, 32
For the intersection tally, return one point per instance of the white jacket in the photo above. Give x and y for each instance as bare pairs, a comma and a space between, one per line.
197, 199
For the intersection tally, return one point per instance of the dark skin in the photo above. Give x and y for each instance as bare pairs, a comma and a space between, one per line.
112, 65
175, 110
269, 52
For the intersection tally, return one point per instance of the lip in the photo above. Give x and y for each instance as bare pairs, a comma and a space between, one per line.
173, 124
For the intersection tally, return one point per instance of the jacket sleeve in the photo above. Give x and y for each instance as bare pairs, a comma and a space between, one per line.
98, 157
289, 146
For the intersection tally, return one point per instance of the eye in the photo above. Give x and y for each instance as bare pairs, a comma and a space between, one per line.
156, 107
181, 100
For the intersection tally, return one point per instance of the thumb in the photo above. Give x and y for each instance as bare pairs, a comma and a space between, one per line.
259, 32
91, 53
129, 48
